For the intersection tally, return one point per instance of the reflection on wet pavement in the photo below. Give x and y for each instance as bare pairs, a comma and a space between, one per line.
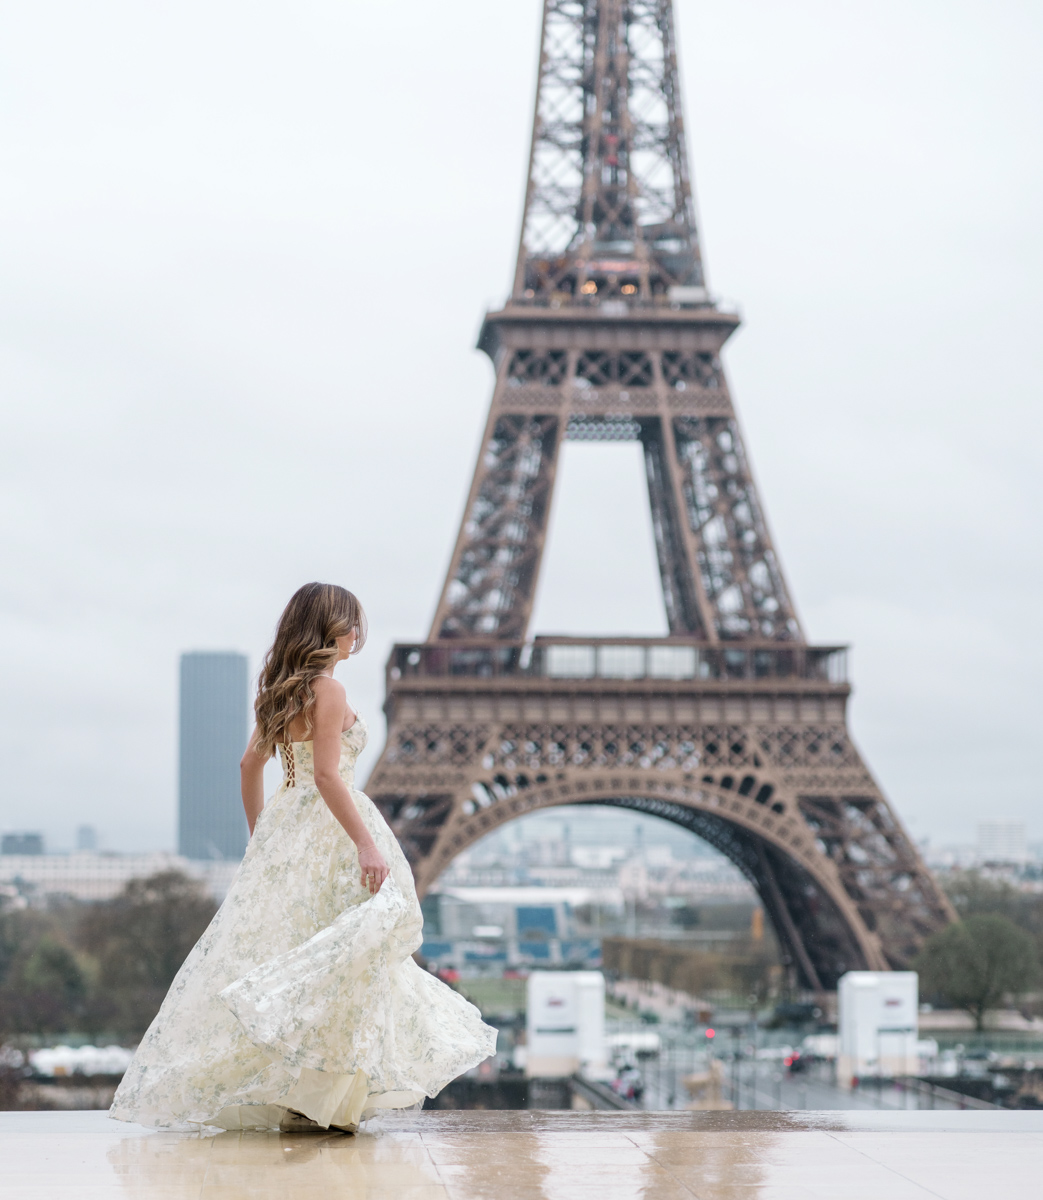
275, 1164
538, 1156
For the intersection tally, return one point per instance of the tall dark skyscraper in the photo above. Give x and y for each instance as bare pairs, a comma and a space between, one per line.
211, 823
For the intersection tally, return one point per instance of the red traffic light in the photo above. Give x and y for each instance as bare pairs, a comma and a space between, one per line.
709, 1033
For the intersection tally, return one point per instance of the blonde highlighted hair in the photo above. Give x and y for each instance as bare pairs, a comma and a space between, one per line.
305, 646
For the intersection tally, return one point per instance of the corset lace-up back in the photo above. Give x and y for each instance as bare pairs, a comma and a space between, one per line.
289, 766
298, 758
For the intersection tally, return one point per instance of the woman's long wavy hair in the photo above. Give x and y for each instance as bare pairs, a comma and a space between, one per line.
305, 646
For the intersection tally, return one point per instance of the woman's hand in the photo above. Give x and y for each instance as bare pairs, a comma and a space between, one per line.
374, 868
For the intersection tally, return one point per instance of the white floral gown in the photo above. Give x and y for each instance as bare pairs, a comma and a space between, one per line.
302, 993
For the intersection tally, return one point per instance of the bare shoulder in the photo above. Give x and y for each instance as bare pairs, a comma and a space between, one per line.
329, 692
331, 703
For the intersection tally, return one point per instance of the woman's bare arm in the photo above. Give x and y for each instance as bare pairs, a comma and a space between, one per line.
251, 780
327, 723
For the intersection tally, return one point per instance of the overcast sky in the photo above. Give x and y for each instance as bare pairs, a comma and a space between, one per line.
244, 253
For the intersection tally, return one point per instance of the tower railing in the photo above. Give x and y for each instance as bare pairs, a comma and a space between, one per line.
621, 658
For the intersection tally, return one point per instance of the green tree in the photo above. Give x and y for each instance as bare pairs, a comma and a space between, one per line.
52, 967
43, 988
140, 940
973, 893
978, 961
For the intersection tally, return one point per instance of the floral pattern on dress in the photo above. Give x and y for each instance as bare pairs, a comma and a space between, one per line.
303, 992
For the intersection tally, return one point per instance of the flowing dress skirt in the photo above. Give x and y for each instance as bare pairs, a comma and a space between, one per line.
302, 994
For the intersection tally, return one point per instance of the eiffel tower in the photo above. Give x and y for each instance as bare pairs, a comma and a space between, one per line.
733, 726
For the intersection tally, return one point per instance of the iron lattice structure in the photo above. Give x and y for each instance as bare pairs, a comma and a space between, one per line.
732, 726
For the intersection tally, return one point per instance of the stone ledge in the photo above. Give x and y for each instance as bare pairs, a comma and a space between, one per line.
537, 1155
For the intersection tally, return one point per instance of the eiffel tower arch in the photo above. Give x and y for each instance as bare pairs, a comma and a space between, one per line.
732, 725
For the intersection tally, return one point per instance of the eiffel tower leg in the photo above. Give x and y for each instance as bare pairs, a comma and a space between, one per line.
492, 577
781, 918
687, 607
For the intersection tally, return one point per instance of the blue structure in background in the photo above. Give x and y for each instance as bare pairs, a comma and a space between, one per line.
533, 920
584, 951
540, 951
213, 732
486, 934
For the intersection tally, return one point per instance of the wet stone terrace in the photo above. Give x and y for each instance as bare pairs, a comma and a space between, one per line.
532, 1155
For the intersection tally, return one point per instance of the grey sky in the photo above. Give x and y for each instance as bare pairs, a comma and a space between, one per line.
244, 252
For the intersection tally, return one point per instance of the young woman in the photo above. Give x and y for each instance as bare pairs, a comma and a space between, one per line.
300, 1007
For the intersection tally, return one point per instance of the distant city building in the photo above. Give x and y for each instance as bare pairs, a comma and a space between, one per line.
1002, 842
88, 876
21, 843
86, 837
213, 732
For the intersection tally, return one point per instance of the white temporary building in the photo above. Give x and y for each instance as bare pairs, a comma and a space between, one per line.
565, 1023
878, 1013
